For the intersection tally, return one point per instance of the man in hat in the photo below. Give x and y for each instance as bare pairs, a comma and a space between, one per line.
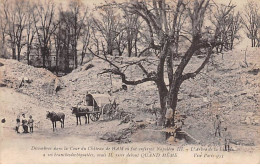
217, 126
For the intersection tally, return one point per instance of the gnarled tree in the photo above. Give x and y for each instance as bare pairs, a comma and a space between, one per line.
251, 22
162, 37
43, 17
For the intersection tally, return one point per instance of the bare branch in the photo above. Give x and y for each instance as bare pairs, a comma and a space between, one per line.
105, 59
192, 75
123, 77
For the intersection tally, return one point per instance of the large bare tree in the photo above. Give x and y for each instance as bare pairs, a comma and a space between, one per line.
45, 26
227, 27
16, 20
3, 29
162, 37
22, 17
85, 40
132, 30
77, 22
30, 31
251, 22
107, 25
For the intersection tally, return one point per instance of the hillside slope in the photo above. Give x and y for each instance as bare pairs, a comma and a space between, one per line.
227, 86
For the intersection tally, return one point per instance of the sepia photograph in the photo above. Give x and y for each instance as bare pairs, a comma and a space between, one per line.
129, 82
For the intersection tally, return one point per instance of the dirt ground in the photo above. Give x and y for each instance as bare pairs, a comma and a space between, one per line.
228, 87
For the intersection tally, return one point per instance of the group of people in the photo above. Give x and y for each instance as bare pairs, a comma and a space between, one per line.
25, 123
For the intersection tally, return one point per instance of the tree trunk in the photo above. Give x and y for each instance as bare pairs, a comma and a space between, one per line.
67, 61
129, 48
82, 57
177, 42
13, 51
232, 43
109, 49
28, 55
43, 57
173, 95
135, 45
18, 53
120, 53
75, 55
162, 97
163, 92
3, 45
57, 60
97, 47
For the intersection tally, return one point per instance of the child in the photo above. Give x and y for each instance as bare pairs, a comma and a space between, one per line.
227, 138
30, 123
168, 116
17, 124
177, 127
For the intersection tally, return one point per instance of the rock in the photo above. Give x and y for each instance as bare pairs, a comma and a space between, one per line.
142, 125
126, 119
108, 136
247, 121
57, 85
234, 148
27, 80
89, 66
205, 99
256, 122
171, 140
244, 142
254, 71
2, 84
188, 138
121, 136
3, 120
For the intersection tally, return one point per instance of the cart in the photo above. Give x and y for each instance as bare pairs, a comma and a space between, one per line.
100, 105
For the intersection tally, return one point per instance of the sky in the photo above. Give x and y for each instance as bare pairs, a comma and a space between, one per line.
91, 3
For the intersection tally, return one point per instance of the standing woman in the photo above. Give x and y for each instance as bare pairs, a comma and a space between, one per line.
25, 124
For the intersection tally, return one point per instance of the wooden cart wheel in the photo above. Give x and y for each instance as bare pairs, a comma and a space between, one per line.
108, 110
94, 117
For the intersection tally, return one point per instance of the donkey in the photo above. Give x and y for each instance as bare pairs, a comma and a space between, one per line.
79, 112
54, 117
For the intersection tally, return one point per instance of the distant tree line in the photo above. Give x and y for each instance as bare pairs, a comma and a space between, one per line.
57, 36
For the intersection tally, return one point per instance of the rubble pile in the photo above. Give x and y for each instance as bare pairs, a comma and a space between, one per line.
225, 87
